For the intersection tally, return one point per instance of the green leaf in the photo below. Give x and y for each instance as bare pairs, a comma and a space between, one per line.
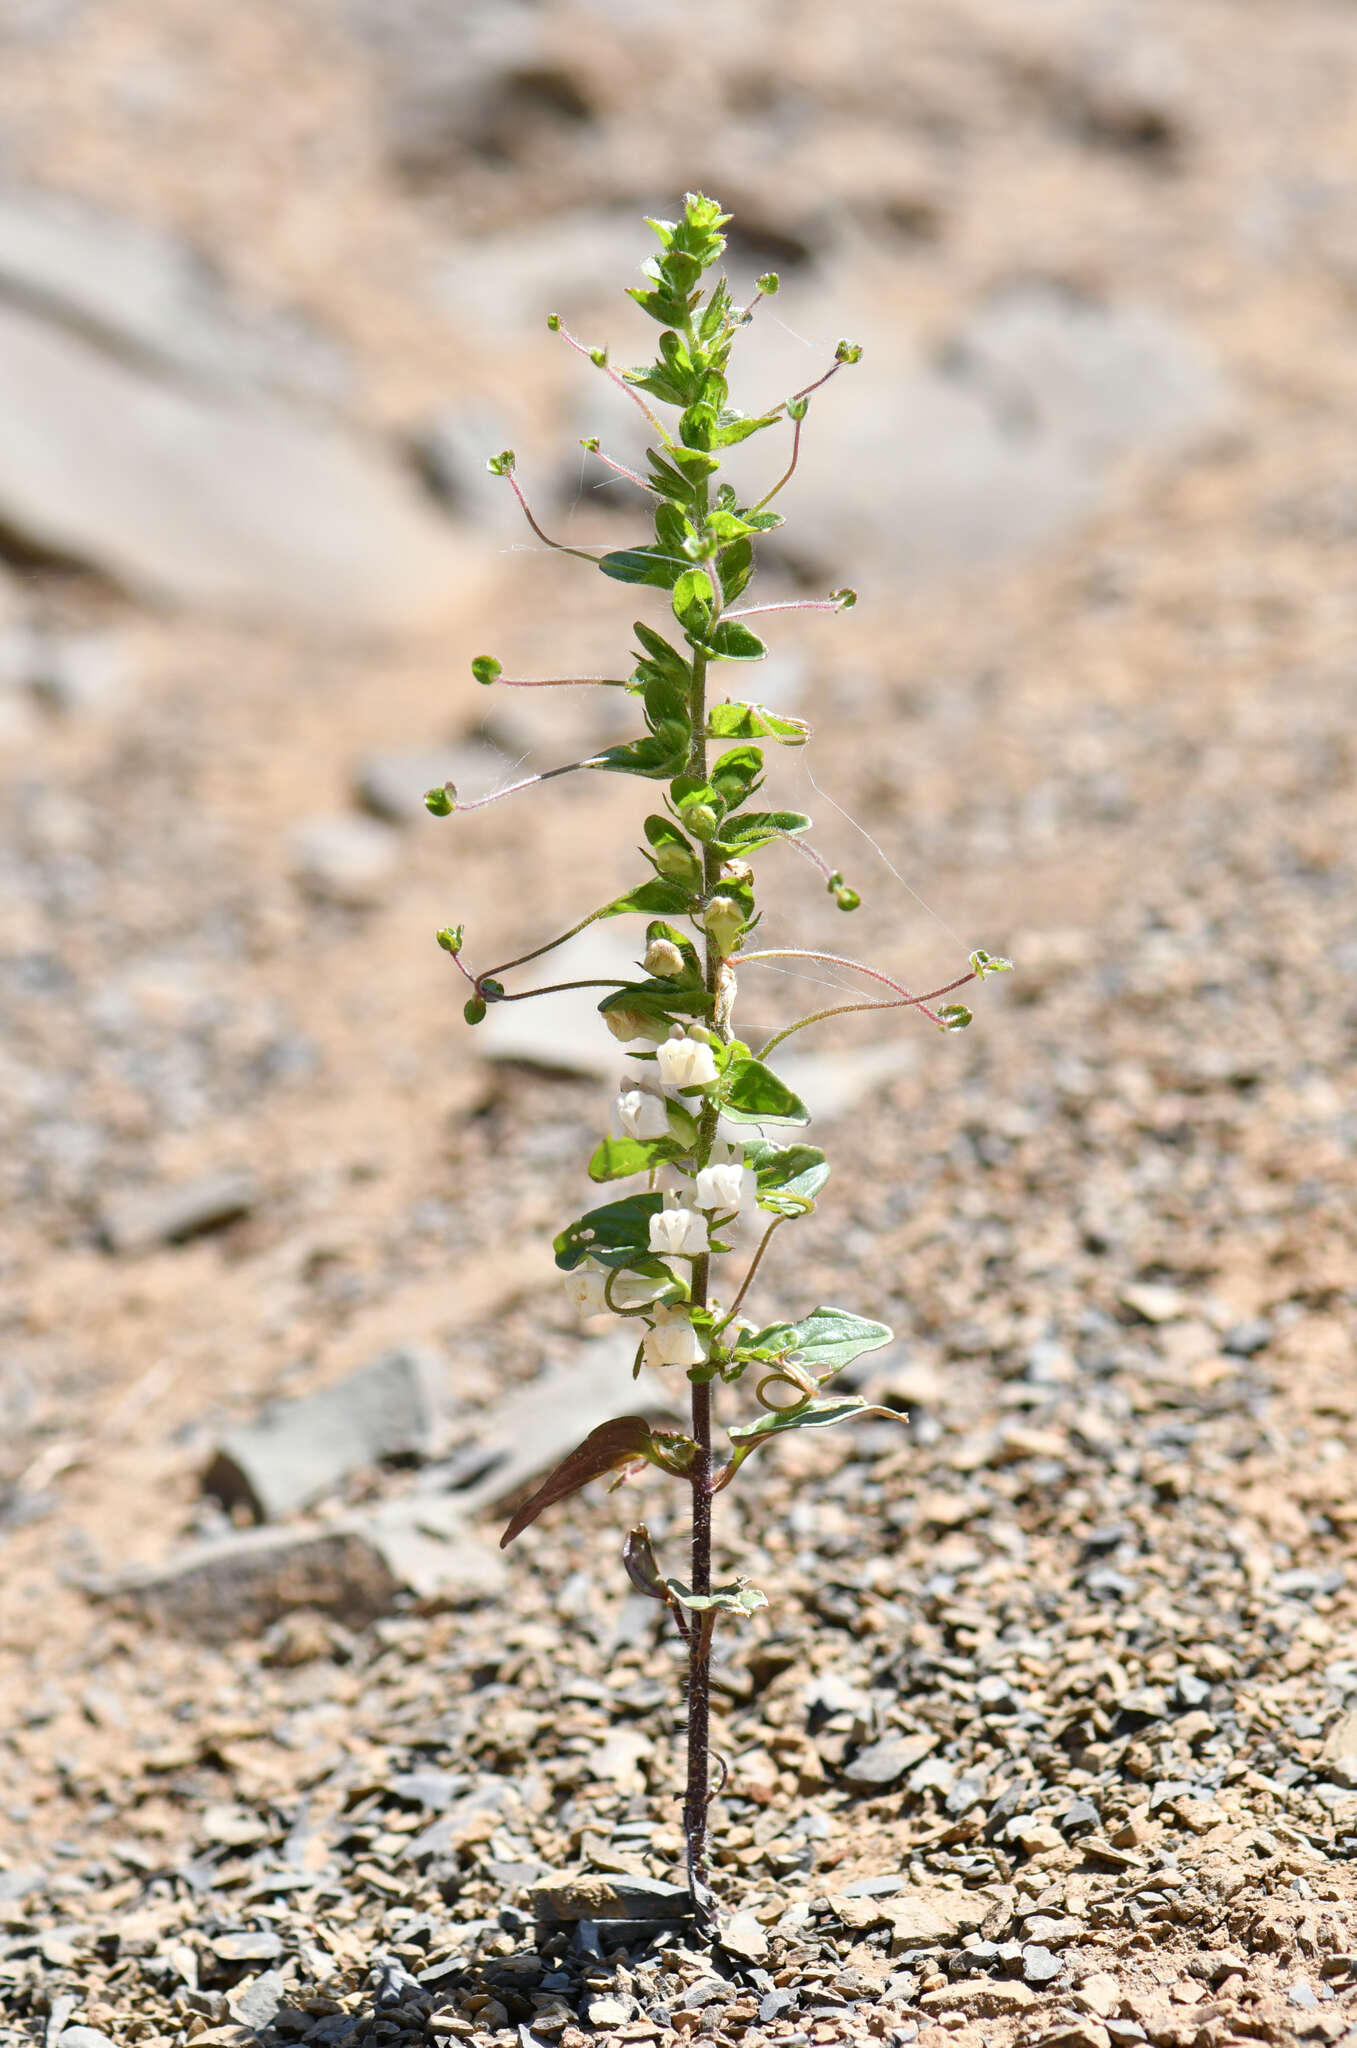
824, 1341
652, 379
983, 963
673, 530
620, 1158
668, 481
667, 659
661, 305
954, 1016
762, 522
789, 1177
755, 721
752, 1093
733, 641
643, 565
693, 601
750, 829
697, 428
662, 1000
615, 1235
657, 898
735, 567
624, 1441
736, 426
812, 1414
693, 463
737, 774
659, 757
736, 1597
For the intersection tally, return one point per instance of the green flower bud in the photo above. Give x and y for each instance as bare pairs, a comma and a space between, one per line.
441, 803
846, 898
797, 408
676, 864
724, 920
450, 939
554, 322
701, 821
590, 444
768, 283
474, 1010
502, 465
485, 668
848, 352
663, 959
599, 358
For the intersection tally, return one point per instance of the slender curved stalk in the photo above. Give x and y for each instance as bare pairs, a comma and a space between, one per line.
848, 1009
734, 1309
561, 547
615, 376
478, 803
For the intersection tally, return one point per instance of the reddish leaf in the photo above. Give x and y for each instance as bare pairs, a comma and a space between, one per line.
615, 1443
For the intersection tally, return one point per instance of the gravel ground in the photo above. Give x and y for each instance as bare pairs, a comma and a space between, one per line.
1049, 1734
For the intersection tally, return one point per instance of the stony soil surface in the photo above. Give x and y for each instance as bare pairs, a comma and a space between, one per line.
1049, 1733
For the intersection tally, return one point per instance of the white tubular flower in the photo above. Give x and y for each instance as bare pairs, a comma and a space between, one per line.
685, 1062
640, 1114
727, 1184
676, 1231
636, 1290
673, 1340
584, 1288
662, 957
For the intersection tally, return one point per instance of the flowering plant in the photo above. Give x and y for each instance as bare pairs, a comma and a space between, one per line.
691, 1128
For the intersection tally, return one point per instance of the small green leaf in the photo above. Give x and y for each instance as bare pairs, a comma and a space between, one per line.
643, 565
824, 1341
789, 1177
737, 774
748, 830
659, 757
752, 1093
693, 602
762, 522
661, 305
621, 1158
954, 1016
615, 1235
667, 659
658, 897
733, 641
473, 1010
983, 963
755, 722
735, 1597
811, 1414
734, 426
735, 567
697, 428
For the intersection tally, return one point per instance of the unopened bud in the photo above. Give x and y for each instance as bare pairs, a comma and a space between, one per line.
848, 352
630, 1025
554, 322
846, 898
442, 802
768, 283
590, 444
450, 939
663, 958
503, 464
677, 864
724, 920
485, 668
701, 821
797, 408
474, 1010
599, 358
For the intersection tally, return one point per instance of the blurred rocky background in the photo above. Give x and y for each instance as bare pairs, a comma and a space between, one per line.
1046, 1734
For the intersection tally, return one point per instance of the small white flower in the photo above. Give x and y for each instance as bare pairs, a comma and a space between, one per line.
677, 1231
584, 1288
727, 1184
673, 1340
641, 1114
686, 1062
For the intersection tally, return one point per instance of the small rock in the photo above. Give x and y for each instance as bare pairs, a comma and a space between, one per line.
775, 2003
345, 858
932, 1914
1079, 1816
256, 2002
249, 1947
743, 1937
1246, 1338
987, 1997
1075, 2034
1302, 1994
302, 1450
1099, 1993
83, 2037
81, 674
609, 2012
135, 1222
612, 1898
1153, 1304
1039, 1966
884, 1763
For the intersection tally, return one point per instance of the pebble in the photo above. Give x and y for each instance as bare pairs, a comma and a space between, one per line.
1039, 1965
884, 1763
137, 1222
345, 858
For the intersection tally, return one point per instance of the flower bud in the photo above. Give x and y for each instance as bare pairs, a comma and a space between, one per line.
584, 1288
686, 1062
441, 803
677, 864
630, 1025
474, 1010
724, 919
450, 939
701, 821
663, 959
